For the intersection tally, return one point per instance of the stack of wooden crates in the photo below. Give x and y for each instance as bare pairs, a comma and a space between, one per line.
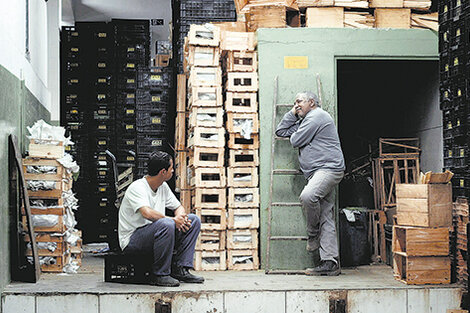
459, 242
227, 206
52, 246
421, 237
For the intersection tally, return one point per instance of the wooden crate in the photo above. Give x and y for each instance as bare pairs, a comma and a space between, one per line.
266, 17
202, 35
235, 122
243, 158
427, 205
211, 240
238, 41
180, 130
243, 218
324, 17
57, 228
242, 239
181, 93
162, 60
181, 168
210, 261
392, 18
418, 270
242, 81
237, 198
206, 117
206, 157
60, 186
242, 177
58, 267
207, 137
40, 149
231, 27
245, 102
386, 3
46, 237
59, 175
203, 56
315, 3
212, 219
420, 241
241, 61
209, 198
236, 141
208, 177
185, 200
205, 76
205, 97
242, 260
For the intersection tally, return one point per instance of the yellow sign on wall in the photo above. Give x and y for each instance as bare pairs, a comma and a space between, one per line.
296, 62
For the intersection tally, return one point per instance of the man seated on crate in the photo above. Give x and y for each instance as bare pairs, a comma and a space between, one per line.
144, 228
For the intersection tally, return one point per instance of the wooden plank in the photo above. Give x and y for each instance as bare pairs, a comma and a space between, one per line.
386, 3
243, 197
211, 240
243, 218
241, 102
324, 17
59, 227
205, 96
206, 117
242, 260
185, 200
204, 35
206, 157
181, 93
181, 165
266, 17
212, 219
392, 18
235, 122
210, 261
54, 150
243, 158
241, 61
242, 81
208, 177
231, 27
237, 141
242, 239
242, 177
60, 171
207, 137
180, 131
315, 3
203, 56
417, 241
421, 270
205, 77
238, 41
209, 198
416, 191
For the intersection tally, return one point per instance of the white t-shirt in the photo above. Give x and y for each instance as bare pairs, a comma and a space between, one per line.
139, 194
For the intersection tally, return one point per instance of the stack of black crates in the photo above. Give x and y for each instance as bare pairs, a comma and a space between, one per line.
187, 12
454, 50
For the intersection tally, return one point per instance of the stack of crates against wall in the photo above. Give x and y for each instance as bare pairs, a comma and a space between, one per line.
421, 237
206, 173
132, 89
52, 206
190, 12
459, 242
241, 87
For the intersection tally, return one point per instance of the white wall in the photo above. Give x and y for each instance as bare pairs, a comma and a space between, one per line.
33, 69
53, 52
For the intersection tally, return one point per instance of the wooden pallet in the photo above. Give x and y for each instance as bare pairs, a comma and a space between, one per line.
180, 93
208, 177
245, 102
59, 175
211, 240
205, 97
206, 117
235, 120
242, 81
243, 158
180, 130
241, 61
386, 4
200, 35
243, 218
181, 166
206, 157
209, 198
236, 196
207, 137
205, 77
392, 18
46, 149
212, 219
242, 177
203, 56
210, 260
236, 141
185, 200
420, 241
242, 239
240, 260
417, 270
238, 41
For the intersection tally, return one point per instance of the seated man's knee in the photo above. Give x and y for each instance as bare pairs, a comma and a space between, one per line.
166, 223
195, 220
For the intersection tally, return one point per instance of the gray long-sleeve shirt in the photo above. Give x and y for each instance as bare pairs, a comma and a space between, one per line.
317, 139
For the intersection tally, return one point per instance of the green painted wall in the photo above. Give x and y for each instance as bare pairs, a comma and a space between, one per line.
323, 47
18, 109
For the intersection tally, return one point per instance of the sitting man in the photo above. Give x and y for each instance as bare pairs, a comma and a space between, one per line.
144, 228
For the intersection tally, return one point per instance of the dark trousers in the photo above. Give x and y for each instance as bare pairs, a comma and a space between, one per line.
163, 239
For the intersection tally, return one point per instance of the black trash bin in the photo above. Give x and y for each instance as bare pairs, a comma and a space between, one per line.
354, 242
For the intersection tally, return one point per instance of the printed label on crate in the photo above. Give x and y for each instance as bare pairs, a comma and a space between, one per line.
130, 96
130, 65
74, 127
101, 96
102, 80
130, 111
130, 49
457, 32
449, 154
102, 65
74, 49
456, 61
130, 80
72, 96
130, 158
102, 173
445, 37
156, 120
102, 35
462, 152
129, 126
74, 81
156, 98
102, 204
102, 189
449, 125
458, 3
102, 127
458, 122
102, 142
102, 111
102, 157
74, 34
157, 143
130, 142
462, 183
73, 111
73, 64
459, 92
156, 77
446, 67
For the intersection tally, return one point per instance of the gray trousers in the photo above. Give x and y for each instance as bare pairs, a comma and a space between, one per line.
318, 199
163, 239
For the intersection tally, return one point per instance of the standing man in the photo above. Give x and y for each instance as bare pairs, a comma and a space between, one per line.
144, 228
313, 131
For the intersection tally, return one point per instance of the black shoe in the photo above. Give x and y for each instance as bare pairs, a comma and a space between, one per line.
182, 274
326, 268
165, 281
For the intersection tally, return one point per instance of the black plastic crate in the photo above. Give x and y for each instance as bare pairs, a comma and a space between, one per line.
127, 268
126, 98
127, 82
101, 113
151, 121
458, 35
125, 157
444, 9
160, 79
448, 157
457, 63
444, 37
105, 127
103, 143
75, 114
124, 66
151, 142
445, 97
444, 66
71, 98
73, 82
209, 14
104, 82
159, 94
457, 9
126, 127
460, 157
458, 88
75, 128
127, 113
460, 184
163, 47
447, 123
143, 96
158, 107
71, 52
459, 122
70, 34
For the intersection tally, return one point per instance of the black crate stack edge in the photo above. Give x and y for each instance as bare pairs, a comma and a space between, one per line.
454, 67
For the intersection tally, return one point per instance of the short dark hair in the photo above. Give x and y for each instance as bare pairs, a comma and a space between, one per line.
158, 160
